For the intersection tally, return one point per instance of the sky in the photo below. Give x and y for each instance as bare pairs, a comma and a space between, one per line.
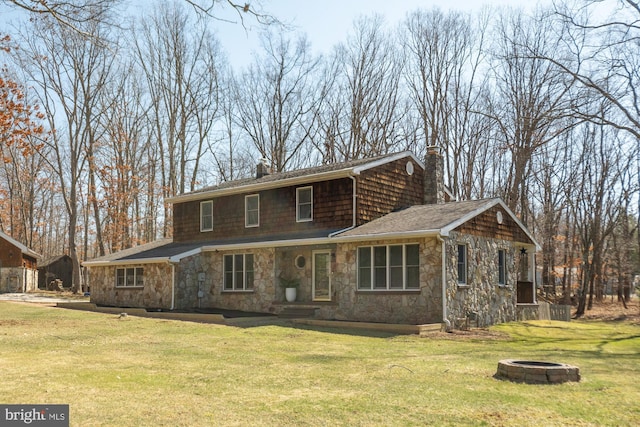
328, 22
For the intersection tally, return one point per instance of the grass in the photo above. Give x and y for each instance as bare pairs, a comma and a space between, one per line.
137, 372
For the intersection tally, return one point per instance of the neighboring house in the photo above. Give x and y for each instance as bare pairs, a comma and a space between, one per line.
55, 268
18, 266
369, 240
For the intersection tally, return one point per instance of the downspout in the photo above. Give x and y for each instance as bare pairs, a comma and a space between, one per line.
173, 285
353, 209
445, 322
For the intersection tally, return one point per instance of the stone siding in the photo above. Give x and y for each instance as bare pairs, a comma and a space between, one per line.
154, 294
199, 283
481, 300
12, 279
420, 306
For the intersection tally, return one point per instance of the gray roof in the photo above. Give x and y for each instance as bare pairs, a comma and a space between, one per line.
307, 174
135, 251
165, 249
47, 262
413, 221
421, 218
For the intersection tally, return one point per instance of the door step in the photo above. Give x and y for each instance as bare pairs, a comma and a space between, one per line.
297, 313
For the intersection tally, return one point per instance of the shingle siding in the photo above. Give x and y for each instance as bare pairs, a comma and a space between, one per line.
332, 209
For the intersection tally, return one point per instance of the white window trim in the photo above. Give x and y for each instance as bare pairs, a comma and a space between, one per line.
202, 204
234, 286
135, 278
387, 268
464, 282
298, 219
502, 266
246, 211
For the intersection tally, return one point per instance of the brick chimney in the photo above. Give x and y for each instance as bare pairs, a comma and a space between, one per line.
433, 176
262, 169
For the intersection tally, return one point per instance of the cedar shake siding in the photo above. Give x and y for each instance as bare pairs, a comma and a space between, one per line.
387, 188
486, 225
332, 210
12, 256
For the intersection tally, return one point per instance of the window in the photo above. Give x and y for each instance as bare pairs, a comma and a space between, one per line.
206, 215
304, 204
238, 272
252, 211
462, 264
392, 267
502, 267
129, 277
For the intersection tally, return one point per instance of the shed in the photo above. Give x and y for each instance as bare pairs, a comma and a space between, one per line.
18, 266
59, 267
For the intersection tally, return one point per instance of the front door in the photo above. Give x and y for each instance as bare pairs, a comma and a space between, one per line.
321, 276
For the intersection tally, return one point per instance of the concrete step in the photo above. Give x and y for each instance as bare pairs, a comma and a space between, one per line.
297, 313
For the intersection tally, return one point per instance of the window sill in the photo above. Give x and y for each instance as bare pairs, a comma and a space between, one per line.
506, 287
237, 291
463, 286
388, 291
130, 287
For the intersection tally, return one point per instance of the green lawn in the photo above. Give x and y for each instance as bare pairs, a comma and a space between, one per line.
136, 372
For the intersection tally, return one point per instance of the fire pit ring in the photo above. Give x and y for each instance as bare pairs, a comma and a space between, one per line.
537, 372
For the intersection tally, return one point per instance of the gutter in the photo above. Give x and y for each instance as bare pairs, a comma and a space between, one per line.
157, 260
173, 285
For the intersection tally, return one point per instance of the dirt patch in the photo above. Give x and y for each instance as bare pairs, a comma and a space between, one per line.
614, 311
473, 333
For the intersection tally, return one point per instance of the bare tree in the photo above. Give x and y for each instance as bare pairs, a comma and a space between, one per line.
533, 102
275, 99
73, 15
444, 56
609, 65
365, 107
596, 172
69, 71
181, 70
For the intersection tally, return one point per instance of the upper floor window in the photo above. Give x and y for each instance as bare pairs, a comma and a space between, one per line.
462, 264
389, 267
206, 215
129, 277
252, 210
304, 204
502, 267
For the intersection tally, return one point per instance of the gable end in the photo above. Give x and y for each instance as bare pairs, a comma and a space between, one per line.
486, 224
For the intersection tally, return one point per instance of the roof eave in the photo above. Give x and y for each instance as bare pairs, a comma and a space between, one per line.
132, 261
287, 182
396, 235
490, 203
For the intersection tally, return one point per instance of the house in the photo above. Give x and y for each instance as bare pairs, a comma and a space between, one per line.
55, 268
18, 270
375, 240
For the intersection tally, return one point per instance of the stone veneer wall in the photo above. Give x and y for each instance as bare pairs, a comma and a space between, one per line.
156, 292
482, 295
209, 267
409, 307
12, 279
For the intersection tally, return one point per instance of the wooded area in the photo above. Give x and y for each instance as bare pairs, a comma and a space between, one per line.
101, 122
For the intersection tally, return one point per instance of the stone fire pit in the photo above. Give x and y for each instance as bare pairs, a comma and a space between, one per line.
536, 372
